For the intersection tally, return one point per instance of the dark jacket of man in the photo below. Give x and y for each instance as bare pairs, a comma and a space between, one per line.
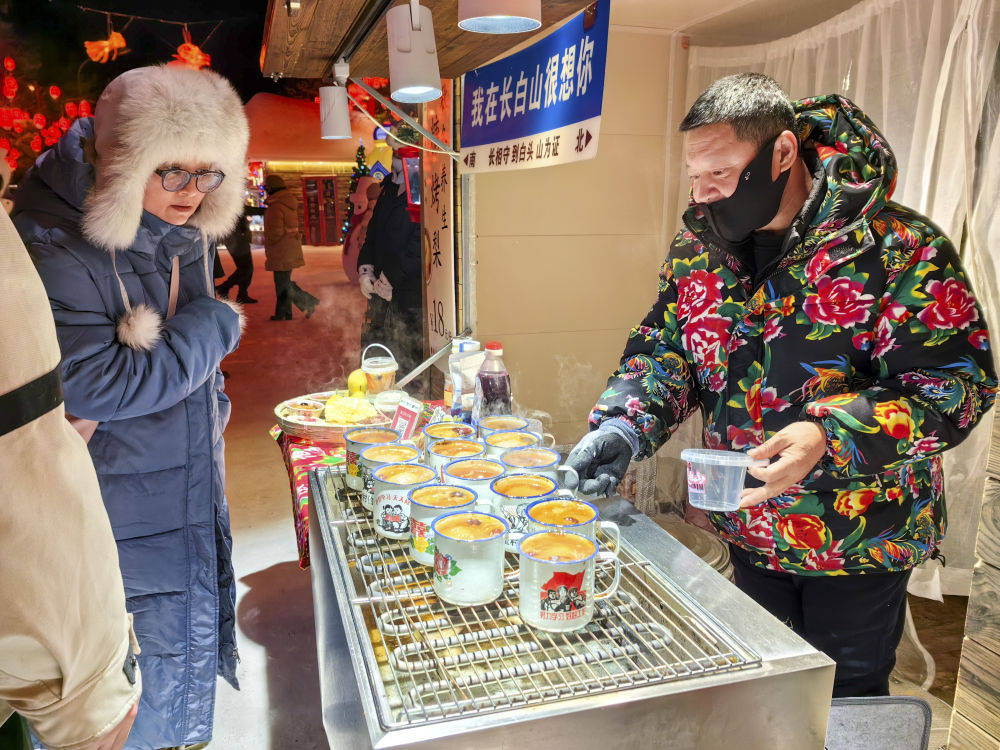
392, 246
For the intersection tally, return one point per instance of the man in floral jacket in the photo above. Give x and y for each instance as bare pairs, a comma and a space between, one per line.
818, 324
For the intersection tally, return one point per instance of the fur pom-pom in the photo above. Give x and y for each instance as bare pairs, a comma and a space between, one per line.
237, 308
140, 328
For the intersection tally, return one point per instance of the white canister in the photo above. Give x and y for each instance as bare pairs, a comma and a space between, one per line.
556, 580
375, 456
498, 422
543, 461
468, 558
570, 516
515, 492
501, 441
445, 451
427, 503
393, 483
475, 474
356, 441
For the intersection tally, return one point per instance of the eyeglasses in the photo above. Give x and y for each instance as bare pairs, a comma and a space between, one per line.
177, 179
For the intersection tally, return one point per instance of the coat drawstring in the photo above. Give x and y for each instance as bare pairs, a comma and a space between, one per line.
175, 284
209, 278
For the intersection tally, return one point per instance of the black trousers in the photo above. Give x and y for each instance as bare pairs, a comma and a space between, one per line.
856, 620
289, 293
241, 277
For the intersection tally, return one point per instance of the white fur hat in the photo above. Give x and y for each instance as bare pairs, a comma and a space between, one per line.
159, 115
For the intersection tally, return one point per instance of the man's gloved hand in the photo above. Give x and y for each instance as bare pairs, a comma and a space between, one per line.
383, 288
366, 280
367, 284
601, 459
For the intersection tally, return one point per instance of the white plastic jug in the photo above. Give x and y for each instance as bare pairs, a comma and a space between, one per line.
380, 372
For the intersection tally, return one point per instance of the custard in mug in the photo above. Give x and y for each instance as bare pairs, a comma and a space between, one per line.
475, 469
450, 431
412, 474
511, 439
562, 513
555, 547
442, 497
470, 527
456, 448
531, 458
502, 423
374, 436
391, 454
524, 486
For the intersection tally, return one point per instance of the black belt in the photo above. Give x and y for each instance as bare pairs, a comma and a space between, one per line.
30, 401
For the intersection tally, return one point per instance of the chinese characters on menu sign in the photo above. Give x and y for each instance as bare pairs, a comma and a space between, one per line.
541, 106
438, 224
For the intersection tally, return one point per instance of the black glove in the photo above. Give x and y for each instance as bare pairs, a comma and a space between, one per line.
601, 459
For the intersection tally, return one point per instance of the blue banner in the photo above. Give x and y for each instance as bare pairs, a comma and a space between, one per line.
555, 83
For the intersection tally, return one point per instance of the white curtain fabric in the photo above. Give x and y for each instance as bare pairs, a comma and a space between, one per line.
925, 71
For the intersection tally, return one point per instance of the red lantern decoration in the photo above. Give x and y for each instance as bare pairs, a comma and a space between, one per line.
6, 118
85, 110
105, 49
8, 64
189, 55
63, 123
55, 92
18, 127
71, 110
5, 144
39, 121
9, 87
36, 144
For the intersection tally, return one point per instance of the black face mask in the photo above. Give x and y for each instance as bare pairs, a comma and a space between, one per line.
753, 204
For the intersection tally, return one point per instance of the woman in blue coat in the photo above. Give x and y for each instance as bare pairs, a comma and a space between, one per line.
120, 219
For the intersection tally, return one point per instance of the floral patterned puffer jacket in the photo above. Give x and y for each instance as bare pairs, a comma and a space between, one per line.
866, 324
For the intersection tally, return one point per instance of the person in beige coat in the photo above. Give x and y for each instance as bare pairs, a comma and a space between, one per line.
67, 662
283, 249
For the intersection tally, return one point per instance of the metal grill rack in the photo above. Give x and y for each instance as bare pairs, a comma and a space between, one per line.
428, 661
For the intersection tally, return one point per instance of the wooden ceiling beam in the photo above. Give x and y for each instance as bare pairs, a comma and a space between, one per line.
302, 45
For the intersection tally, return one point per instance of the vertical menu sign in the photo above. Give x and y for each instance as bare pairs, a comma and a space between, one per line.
437, 223
541, 106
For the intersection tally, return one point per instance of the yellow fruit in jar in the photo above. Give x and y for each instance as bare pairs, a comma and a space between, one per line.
357, 383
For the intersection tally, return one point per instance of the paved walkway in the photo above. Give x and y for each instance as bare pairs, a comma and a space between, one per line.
278, 706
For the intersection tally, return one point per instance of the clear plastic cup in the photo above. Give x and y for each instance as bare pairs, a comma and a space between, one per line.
715, 477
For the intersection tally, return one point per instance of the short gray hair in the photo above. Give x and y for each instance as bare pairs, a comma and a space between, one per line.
752, 103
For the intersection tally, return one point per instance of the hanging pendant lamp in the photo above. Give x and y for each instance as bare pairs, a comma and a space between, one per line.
334, 113
334, 110
499, 16
414, 76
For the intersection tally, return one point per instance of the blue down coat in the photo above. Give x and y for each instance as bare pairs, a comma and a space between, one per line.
158, 450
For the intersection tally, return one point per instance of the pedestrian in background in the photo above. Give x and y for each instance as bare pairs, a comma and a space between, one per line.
283, 249
238, 245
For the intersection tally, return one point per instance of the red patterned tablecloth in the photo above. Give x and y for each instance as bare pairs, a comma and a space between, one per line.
300, 456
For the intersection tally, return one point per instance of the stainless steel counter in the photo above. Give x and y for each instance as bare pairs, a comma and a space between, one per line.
779, 700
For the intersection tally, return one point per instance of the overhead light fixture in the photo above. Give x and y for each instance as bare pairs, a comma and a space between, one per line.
414, 76
499, 16
334, 111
